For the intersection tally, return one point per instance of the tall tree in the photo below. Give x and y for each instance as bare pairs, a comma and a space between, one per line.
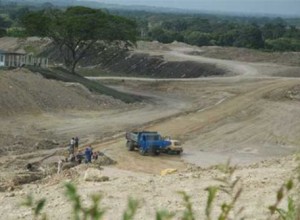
4, 23
250, 36
76, 30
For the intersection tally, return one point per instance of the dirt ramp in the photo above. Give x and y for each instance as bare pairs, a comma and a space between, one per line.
21, 91
284, 94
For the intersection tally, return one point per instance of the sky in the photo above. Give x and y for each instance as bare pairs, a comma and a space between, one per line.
280, 7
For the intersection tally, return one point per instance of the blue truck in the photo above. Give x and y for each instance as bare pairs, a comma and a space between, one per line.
147, 142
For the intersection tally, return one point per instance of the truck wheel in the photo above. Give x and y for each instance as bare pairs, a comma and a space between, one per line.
152, 151
142, 151
167, 151
157, 153
130, 146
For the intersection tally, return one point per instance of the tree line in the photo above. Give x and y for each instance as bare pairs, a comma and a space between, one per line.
271, 34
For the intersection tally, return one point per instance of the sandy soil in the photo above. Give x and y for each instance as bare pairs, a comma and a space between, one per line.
250, 117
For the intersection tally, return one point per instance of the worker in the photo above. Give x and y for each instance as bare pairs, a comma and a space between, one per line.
59, 166
29, 167
79, 157
88, 154
72, 145
76, 144
72, 158
95, 156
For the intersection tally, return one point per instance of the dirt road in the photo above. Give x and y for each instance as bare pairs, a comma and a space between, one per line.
227, 127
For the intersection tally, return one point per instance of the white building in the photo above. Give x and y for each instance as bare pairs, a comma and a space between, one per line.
2, 58
11, 59
18, 59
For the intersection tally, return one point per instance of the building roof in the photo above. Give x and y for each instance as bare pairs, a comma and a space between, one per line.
3, 51
11, 52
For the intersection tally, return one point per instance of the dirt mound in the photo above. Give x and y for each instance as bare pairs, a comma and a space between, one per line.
103, 160
26, 177
94, 175
33, 45
68, 174
11, 142
282, 94
24, 92
250, 55
45, 144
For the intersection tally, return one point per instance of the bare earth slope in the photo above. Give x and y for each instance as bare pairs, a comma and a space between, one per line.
25, 98
24, 92
250, 117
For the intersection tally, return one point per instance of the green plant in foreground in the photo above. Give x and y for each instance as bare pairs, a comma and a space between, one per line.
131, 209
36, 207
164, 215
292, 213
212, 192
93, 212
293, 208
228, 185
188, 214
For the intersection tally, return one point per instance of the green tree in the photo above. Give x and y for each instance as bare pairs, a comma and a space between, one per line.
228, 38
283, 44
198, 38
76, 31
202, 25
273, 30
16, 15
250, 36
4, 23
2, 32
292, 32
176, 25
159, 34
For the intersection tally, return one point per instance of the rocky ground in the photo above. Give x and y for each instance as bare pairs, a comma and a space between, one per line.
247, 115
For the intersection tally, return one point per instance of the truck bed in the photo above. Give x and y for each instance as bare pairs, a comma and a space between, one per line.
134, 135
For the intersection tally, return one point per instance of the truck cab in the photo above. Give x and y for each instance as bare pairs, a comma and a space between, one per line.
174, 147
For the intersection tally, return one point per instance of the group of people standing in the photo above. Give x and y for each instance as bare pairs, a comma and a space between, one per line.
74, 144
77, 155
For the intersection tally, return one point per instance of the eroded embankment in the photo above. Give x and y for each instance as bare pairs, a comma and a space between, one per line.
115, 62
